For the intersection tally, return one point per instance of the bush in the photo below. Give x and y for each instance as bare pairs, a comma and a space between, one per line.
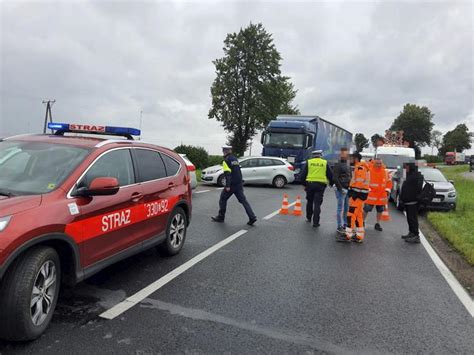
215, 160
432, 158
197, 155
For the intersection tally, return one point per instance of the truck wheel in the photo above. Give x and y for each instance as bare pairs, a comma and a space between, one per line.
221, 181
279, 181
29, 293
175, 233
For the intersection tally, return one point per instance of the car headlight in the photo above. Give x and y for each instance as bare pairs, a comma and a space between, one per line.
452, 193
297, 170
4, 222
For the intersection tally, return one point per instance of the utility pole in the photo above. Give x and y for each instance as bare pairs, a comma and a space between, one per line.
48, 114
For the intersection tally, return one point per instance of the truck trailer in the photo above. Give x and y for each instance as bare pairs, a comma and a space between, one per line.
294, 137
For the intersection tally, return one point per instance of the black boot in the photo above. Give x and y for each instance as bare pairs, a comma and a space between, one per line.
409, 235
252, 221
218, 219
378, 227
415, 239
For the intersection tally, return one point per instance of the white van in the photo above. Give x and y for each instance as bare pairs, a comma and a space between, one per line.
394, 157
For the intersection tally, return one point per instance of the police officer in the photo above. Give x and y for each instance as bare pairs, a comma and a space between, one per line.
233, 186
316, 176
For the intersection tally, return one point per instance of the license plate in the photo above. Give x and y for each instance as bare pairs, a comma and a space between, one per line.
436, 200
291, 159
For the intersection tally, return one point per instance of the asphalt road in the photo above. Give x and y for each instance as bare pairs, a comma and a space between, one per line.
282, 287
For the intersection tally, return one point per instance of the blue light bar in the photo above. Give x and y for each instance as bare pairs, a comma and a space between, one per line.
85, 128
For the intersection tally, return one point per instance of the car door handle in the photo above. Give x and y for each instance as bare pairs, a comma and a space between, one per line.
137, 196
171, 185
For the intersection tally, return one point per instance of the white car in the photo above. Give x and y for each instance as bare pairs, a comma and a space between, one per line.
255, 170
191, 170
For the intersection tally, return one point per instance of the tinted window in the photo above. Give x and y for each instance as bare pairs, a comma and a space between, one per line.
117, 164
172, 166
265, 162
277, 162
150, 165
249, 163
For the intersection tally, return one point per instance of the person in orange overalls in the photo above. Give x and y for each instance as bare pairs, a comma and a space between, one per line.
380, 186
358, 192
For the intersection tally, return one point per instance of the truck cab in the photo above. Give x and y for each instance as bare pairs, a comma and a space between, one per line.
294, 137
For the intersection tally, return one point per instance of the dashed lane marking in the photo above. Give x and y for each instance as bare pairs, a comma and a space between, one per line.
202, 191
153, 287
273, 214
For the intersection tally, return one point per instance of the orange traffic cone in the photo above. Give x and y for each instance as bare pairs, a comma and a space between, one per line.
385, 216
284, 205
297, 209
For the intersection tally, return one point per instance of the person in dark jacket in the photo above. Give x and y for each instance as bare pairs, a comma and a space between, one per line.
316, 175
233, 186
342, 174
411, 189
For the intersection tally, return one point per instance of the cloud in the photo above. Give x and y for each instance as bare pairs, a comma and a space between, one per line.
355, 64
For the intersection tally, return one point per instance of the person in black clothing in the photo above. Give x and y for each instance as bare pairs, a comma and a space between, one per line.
411, 189
233, 186
316, 175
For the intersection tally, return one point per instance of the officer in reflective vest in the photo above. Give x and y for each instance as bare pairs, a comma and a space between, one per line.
233, 186
316, 176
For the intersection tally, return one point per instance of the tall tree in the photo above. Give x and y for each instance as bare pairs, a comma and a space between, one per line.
417, 123
376, 139
249, 89
360, 142
456, 140
436, 140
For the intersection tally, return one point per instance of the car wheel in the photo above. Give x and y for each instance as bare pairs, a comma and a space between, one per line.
399, 203
175, 233
221, 180
28, 294
279, 181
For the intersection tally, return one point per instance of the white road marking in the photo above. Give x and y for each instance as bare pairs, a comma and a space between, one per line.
273, 214
459, 291
200, 192
220, 188
153, 287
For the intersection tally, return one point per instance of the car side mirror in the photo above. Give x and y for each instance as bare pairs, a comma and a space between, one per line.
100, 186
451, 181
262, 138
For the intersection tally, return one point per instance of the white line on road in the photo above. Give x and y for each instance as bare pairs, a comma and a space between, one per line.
273, 214
220, 188
463, 296
131, 301
200, 192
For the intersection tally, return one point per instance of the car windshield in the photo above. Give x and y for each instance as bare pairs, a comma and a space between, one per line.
393, 161
36, 167
284, 140
433, 175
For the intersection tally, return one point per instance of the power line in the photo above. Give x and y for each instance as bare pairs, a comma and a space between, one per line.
48, 114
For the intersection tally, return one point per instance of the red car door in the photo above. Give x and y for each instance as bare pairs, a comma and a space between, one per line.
109, 224
151, 174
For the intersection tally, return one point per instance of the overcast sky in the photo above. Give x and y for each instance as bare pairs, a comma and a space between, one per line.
354, 63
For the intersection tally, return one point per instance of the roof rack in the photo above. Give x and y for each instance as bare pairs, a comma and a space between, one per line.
61, 128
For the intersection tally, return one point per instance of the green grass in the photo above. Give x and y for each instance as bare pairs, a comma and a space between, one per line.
457, 226
198, 174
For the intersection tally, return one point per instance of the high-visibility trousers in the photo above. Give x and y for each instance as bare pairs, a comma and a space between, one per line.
355, 219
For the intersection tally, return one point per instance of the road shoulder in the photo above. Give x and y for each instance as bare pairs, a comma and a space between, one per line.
453, 260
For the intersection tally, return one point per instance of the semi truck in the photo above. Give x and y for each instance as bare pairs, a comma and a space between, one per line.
294, 137
453, 158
